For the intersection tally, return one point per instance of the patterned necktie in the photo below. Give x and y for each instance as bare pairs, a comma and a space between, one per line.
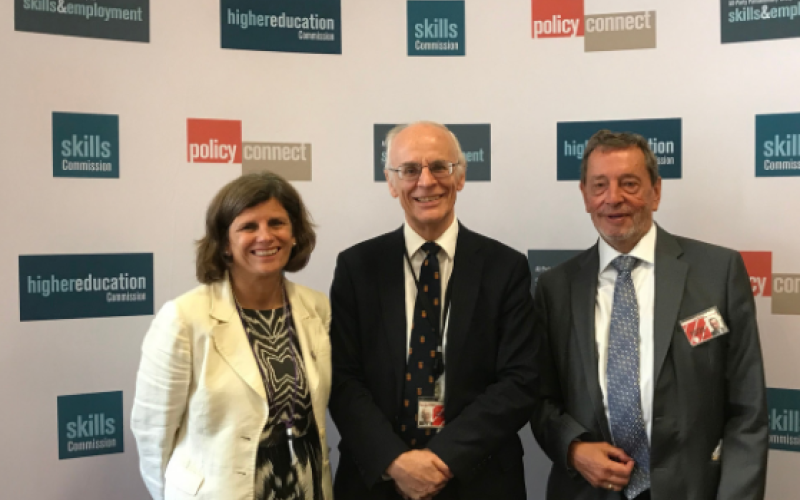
624, 397
419, 380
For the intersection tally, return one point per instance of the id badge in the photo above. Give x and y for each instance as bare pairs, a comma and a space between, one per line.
430, 413
704, 326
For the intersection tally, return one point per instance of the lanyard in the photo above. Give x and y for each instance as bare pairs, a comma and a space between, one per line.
287, 321
437, 324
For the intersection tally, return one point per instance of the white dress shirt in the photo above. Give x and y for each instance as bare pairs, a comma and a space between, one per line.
644, 282
414, 242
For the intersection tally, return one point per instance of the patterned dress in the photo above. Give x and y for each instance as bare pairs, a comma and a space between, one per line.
277, 478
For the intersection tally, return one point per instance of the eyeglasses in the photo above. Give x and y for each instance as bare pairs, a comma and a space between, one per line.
411, 171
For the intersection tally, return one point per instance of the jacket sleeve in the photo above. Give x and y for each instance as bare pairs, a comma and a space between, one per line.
745, 436
553, 428
162, 387
505, 406
369, 436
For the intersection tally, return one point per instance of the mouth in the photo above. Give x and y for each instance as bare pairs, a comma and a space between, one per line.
616, 217
265, 253
428, 199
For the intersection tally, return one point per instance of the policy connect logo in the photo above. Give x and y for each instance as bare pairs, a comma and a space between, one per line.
783, 289
220, 141
600, 32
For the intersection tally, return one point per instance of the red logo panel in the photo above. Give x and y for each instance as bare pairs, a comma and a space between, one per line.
759, 267
557, 18
214, 141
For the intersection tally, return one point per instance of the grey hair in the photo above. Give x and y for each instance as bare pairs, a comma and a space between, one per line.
606, 140
462, 160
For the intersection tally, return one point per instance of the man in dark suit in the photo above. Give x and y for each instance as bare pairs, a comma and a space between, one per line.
631, 408
474, 301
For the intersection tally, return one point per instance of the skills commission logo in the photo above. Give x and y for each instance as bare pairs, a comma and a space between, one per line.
784, 419
783, 289
600, 32
85, 145
663, 135
90, 424
220, 141
127, 20
778, 145
85, 286
475, 140
752, 20
436, 28
310, 26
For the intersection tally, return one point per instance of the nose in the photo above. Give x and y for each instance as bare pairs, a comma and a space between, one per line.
426, 178
614, 195
264, 233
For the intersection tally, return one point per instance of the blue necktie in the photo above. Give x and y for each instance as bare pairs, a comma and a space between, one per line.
624, 396
419, 378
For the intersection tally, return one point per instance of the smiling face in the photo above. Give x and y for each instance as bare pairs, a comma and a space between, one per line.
620, 196
429, 203
260, 241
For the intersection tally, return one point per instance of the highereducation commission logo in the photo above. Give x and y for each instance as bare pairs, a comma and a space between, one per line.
310, 26
127, 20
475, 140
85, 145
85, 286
600, 32
753, 20
664, 135
220, 141
90, 424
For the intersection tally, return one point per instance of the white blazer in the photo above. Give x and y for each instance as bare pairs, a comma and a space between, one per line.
200, 404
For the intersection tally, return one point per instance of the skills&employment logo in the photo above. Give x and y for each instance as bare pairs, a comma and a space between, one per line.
220, 141
663, 135
475, 140
778, 145
783, 289
127, 20
310, 26
436, 28
600, 32
85, 286
752, 20
90, 424
85, 145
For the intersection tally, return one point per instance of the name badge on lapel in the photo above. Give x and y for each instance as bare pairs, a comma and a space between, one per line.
430, 413
704, 326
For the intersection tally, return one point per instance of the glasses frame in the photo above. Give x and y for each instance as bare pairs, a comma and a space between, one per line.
451, 167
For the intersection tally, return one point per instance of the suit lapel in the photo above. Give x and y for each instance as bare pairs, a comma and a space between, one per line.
466, 280
391, 279
305, 326
230, 338
583, 291
670, 273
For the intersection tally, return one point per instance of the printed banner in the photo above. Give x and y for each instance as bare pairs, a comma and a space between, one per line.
127, 20
90, 424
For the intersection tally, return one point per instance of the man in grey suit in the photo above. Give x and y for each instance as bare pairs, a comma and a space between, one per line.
630, 408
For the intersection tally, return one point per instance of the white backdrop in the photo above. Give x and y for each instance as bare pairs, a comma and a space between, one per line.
523, 87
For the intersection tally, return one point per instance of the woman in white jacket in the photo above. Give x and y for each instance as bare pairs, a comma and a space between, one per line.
235, 375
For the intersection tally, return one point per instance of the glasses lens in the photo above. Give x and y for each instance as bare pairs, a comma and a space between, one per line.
439, 168
410, 170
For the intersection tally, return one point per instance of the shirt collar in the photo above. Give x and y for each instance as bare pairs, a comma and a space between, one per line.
447, 241
645, 250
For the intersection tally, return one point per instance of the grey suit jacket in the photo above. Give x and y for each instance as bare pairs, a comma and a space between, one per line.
703, 395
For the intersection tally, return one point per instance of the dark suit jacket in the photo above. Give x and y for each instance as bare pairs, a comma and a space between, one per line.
702, 395
489, 374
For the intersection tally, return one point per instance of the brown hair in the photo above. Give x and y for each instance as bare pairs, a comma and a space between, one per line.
605, 140
238, 195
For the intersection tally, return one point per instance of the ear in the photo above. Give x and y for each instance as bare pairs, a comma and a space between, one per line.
461, 181
390, 183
